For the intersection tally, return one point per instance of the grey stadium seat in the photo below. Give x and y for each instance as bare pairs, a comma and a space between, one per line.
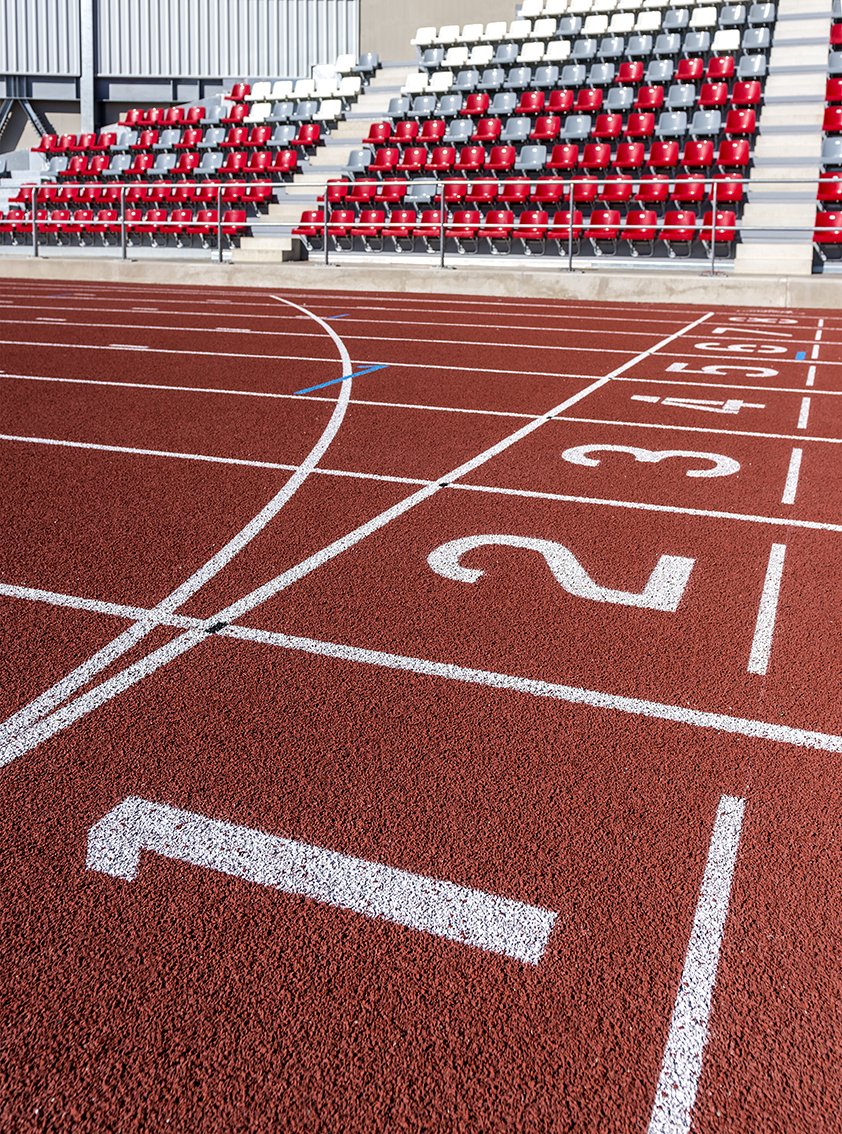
706, 123
213, 114
449, 105
696, 43
756, 39
573, 75
164, 164
832, 153
752, 67
545, 77
639, 47
420, 193
398, 107
281, 111
423, 106
659, 71
577, 127
492, 79
620, 100
359, 161
506, 55
516, 130
676, 19
760, 14
584, 50
668, 45
671, 124
212, 138
466, 80
367, 63
611, 47
681, 96
119, 164
459, 131
210, 163
503, 104
305, 110
568, 27
432, 58
601, 74
518, 79
733, 15
282, 135
166, 140
531, 159
125, 139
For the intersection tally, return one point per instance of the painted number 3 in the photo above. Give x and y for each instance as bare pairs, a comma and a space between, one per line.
663, 591
721, 466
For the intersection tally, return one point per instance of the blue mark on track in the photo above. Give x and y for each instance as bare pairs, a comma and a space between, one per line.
801, 355
333, 381
329, 317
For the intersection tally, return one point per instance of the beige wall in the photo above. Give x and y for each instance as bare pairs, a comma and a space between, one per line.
387, 26
20, 134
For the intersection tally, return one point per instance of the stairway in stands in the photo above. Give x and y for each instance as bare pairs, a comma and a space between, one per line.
273, 243
789, 147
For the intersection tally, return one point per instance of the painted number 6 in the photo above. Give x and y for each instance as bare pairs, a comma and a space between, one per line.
663, 591
722, 466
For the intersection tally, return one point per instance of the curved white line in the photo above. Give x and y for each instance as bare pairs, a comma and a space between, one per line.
47, 701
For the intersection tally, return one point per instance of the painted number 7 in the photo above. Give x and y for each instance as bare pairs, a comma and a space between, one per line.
663, 591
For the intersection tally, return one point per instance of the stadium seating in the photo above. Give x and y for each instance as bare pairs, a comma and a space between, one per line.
174, 168
610, 128
827, 238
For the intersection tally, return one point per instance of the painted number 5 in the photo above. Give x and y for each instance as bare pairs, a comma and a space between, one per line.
663, 591
722, 466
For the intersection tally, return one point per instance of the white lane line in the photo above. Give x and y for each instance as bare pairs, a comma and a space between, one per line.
424, 667
814, 353
804, 414
47, 701
767, 613
95, 606
18, 741
792, 474
675, 1097
699, 429
416, 901
811, 376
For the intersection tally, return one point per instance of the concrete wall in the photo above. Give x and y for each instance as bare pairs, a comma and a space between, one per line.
21, 134
387, 26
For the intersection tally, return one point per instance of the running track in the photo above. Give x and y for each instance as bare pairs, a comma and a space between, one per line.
451, 747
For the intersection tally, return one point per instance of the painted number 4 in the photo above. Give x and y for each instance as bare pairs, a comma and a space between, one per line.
706, 405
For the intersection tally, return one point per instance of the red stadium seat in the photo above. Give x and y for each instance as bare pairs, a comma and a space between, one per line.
173, 116
161, 195
107, 223
498, 228
339, 223
309, 134
698, 154
603, 230
194, 115
733, 154
369, 227
259, 164
405, 132
690, 70
189, 140
607, 127
585, 190
649, 98
653, 190
132, 117
679, 231
640, 231
559, 102
564, 156
830, 188
746, 94
364, 190
432, 131
236, 137
186, 164
148, 223
378, 134
663, 155
46, 144
471, 159
153, 116
482, 191
146, 139
596, 156
412, 160
531, 228
713, 96
550, 191
77, 168
616, 191
729, 188
385, 160
258, 137
455, 190
640, 124
401, 225
140, 165
442, 159
180, 223
463, 227
284, 163
547, 128
98, 165
567, 229
689, 189
83, 143
531, 102
514, 191
235, 115
720, 231
429, 225
487, 130
310, 226
138, 194
501, 159
720, 67
835, 35
588, 101
828, 233
476, 105
629, 73
78, 224
832, 122
630, 155
833, 90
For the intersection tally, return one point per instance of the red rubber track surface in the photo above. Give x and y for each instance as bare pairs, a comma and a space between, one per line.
522, 735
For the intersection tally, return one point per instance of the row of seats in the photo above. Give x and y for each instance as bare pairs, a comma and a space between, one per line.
604, 229
160, 195
647, 18
281, 164
690, 190
154, 224
268, 89
827, 238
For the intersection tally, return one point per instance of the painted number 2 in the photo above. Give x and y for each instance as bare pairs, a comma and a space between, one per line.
663, 591
722, 466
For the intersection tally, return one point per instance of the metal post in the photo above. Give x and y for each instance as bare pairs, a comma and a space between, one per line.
713, 228
441, 225
219, 222
324, 211
570, 229
34, 222
123, 234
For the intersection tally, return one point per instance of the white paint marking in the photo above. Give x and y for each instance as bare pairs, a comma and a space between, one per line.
804, 414
791, 486
722, 466
123, 346
699, 429
761, 646
427, 905
814, 353
663, 590
653, 399
17, 741
681, 1068
46, 702
811, 376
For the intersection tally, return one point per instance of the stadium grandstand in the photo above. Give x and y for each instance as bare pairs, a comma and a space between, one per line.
390, 739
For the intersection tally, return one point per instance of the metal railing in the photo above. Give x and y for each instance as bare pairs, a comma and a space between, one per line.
570, 194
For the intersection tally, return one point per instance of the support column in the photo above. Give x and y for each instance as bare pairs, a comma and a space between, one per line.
87, 80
